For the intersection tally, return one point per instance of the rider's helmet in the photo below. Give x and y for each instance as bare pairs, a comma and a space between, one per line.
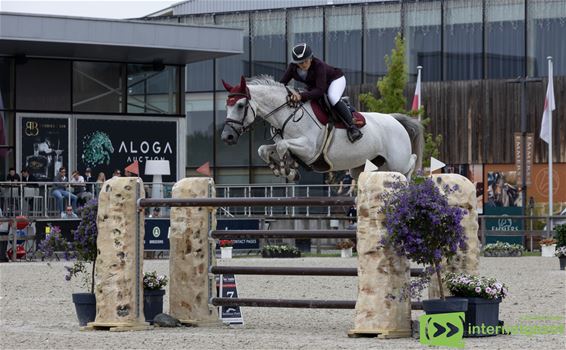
301, 53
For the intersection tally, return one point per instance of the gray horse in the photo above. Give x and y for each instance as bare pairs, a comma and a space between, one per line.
394, 142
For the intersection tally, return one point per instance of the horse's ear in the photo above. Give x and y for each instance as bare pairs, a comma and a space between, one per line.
243, 86
227, 86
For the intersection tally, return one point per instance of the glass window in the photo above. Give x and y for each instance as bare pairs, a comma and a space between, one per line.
6, 83
383, 22
546, 31
260, 136
422, 36
232, 176
233, 67
463, 40
504, 37
268, 43
238, 154
97, 87
43, 85
200, 129
199, 76
344, 41
265, 176
152, 89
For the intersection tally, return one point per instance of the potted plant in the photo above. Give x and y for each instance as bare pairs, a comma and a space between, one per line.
280, 251
502, 249
483, 295
345, 247
226, 246
153, 292
83, 250
424, 227
548, 247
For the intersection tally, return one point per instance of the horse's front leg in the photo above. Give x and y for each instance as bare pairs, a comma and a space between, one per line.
286, 149
269, 155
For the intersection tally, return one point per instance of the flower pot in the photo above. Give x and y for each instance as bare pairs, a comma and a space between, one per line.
226, 252
562, 262
481, 314
439, 306
85, 306
346, 253
548, 250
152, 303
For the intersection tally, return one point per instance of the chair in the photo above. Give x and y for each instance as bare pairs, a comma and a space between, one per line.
33, 198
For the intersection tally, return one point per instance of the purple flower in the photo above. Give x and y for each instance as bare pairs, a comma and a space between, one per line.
478, 289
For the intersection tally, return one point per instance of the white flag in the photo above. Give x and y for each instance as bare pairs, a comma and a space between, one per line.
549, 106
369, 167
435, 164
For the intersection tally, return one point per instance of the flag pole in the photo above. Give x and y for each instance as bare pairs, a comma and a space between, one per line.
550, 189
419, 68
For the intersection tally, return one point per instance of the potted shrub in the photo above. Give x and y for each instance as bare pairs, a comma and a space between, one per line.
153, 292
561, 245
345, 247
280, 251
424, 227
502, 249
483, 295
83, 250
226, 246
547, 247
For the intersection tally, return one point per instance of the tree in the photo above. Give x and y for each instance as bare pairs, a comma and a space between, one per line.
392, 99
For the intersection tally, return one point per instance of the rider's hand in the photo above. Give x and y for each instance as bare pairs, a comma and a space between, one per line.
296, 97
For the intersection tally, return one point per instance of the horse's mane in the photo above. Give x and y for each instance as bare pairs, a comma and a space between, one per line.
263, 79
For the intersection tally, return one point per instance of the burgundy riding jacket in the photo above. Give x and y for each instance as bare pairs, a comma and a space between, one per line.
319, 77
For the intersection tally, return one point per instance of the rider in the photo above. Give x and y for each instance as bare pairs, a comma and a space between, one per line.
320, 78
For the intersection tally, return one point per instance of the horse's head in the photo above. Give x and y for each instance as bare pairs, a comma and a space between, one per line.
239, 114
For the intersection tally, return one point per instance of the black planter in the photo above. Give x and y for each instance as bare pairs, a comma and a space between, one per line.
439, 306
85, 306
562, 262
152, 303
481, 313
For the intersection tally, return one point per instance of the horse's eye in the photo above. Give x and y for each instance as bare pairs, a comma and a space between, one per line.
240, 106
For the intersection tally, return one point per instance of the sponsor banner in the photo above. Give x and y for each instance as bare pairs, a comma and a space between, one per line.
45, 146
106, 145
156, 234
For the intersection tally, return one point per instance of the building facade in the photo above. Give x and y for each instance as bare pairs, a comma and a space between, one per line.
458, 42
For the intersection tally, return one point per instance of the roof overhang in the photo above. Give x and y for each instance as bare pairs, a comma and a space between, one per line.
114, 40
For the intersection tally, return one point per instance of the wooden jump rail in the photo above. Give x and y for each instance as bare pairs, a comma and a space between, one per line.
294, 271
294, 303
245, 201
235, 234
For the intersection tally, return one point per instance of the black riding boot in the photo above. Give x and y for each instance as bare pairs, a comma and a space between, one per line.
354, 134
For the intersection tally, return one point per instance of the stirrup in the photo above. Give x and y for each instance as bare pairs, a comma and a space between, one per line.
354, 134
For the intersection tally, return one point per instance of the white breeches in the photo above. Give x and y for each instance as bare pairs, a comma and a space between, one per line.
336, 89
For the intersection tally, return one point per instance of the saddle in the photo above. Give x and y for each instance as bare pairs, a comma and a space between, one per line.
325, 114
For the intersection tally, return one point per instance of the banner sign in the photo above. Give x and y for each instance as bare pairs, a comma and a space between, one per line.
235, 224
106, 145
227, 288
504, 224
45, 146
519, 156
156, 234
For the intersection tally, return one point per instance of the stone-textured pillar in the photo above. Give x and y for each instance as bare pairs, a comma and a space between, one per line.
119, 264
191, 253
466, 261
381, 273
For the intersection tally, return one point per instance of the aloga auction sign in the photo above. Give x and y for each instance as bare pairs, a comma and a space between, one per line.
105, 145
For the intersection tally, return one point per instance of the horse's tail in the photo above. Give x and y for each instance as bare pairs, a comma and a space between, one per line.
416, 132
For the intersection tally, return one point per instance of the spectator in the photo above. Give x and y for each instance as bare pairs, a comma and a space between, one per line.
26, 176
79, 188
155, 213
117, 173
69, 214
60, 192
89, 179
101, 178
347, 184
13, 176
